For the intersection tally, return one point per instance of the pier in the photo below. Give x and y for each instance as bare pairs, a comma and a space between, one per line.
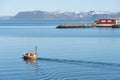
116, 26
101, 23
92, 25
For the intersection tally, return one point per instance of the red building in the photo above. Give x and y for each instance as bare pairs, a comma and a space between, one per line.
107, 21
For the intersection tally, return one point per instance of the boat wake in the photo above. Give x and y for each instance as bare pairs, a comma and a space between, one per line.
113, 66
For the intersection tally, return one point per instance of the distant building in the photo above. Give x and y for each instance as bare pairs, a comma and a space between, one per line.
108, 21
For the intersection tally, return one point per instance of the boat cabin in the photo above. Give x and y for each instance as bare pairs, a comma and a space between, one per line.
30, 55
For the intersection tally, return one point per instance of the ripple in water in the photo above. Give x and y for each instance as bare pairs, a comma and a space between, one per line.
62, 69
59, 69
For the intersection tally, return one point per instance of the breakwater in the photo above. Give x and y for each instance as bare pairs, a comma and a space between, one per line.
92, 25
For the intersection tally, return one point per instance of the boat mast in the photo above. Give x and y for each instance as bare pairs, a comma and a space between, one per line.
36, 50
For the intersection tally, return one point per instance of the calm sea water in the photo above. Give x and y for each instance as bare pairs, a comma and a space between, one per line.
64, 54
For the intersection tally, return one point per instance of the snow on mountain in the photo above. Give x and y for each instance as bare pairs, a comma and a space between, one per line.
57, 15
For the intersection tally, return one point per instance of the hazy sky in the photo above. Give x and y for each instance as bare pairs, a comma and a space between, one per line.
12, 7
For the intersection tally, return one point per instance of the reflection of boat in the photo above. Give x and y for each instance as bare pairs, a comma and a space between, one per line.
30, 55
31, 61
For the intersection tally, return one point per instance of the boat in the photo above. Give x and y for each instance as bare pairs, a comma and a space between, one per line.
30, 55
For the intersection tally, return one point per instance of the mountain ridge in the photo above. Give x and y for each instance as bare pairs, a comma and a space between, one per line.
56, 15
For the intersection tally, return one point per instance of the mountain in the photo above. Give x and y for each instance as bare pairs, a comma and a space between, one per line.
6, 17
43, 15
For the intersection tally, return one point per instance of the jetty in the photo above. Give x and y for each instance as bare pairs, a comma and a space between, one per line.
116, 26
75, 25
101, 23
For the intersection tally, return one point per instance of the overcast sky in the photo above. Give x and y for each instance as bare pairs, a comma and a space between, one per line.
12, 7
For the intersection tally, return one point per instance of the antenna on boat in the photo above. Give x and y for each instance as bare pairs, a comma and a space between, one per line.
36, 50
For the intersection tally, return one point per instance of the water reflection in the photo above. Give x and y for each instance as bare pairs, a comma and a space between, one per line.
29, 61
32, 69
